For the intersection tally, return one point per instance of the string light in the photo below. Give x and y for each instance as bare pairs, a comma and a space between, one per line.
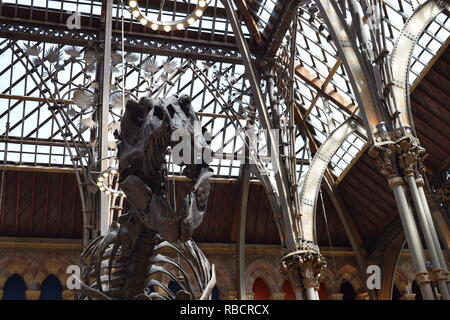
168, 26
103, 182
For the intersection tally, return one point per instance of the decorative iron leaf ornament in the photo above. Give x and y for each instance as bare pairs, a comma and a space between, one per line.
52, 55
90, 68
170, 66
89, 56
131, 57
73, 52
33, 50
84, 99
37, 61
72, 112
88, 123
116, 100
150, 66
116, 58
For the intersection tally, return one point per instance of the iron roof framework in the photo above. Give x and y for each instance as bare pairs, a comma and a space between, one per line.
50, 86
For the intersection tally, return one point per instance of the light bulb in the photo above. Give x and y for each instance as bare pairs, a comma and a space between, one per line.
132, 3
136, 13
199, 13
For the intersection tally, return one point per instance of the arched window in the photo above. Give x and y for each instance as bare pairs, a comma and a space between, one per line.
289, 292
395, 293
261, 290
14, 288
51, 289
347, 290
215, 295
416, 289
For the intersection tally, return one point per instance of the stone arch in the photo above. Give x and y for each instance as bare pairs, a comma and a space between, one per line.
224, 278
17, 264
408, 274
14, 288
389, 268
53, 265
330, 281
264, 270
401, 281
351, 275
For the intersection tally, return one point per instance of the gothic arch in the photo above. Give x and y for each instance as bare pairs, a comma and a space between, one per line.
330, 281
53, 265
225, 281
401, 281
17, 264
351, 275
266, 271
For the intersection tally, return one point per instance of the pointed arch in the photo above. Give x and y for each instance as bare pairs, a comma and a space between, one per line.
14, 288
51, 289
264, 270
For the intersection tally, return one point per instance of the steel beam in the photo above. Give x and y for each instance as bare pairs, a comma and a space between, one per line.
142, 43
276, 35
251, 24
265, 120
244, 187
104, 112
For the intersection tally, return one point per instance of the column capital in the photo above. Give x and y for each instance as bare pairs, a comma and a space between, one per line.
336, 296
277, 296
230, 295
304, 266
447, 277
422, 277
362, 296
32, 294
408, 296
437, 274
68, 295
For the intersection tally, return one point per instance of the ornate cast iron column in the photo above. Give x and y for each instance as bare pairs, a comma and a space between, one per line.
380, 81
441, 275
303, 269
387, 160
409, 159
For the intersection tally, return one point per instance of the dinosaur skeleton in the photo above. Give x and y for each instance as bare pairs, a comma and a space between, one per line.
127, 261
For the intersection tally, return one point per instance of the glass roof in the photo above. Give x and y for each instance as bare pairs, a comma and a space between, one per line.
220, 91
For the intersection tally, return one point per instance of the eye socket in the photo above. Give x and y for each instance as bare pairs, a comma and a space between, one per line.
171, 110
158, 111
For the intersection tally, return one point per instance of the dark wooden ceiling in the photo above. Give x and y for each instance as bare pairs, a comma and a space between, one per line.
47, 205
40, 204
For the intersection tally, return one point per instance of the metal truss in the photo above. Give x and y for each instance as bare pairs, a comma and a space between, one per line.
133, 43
